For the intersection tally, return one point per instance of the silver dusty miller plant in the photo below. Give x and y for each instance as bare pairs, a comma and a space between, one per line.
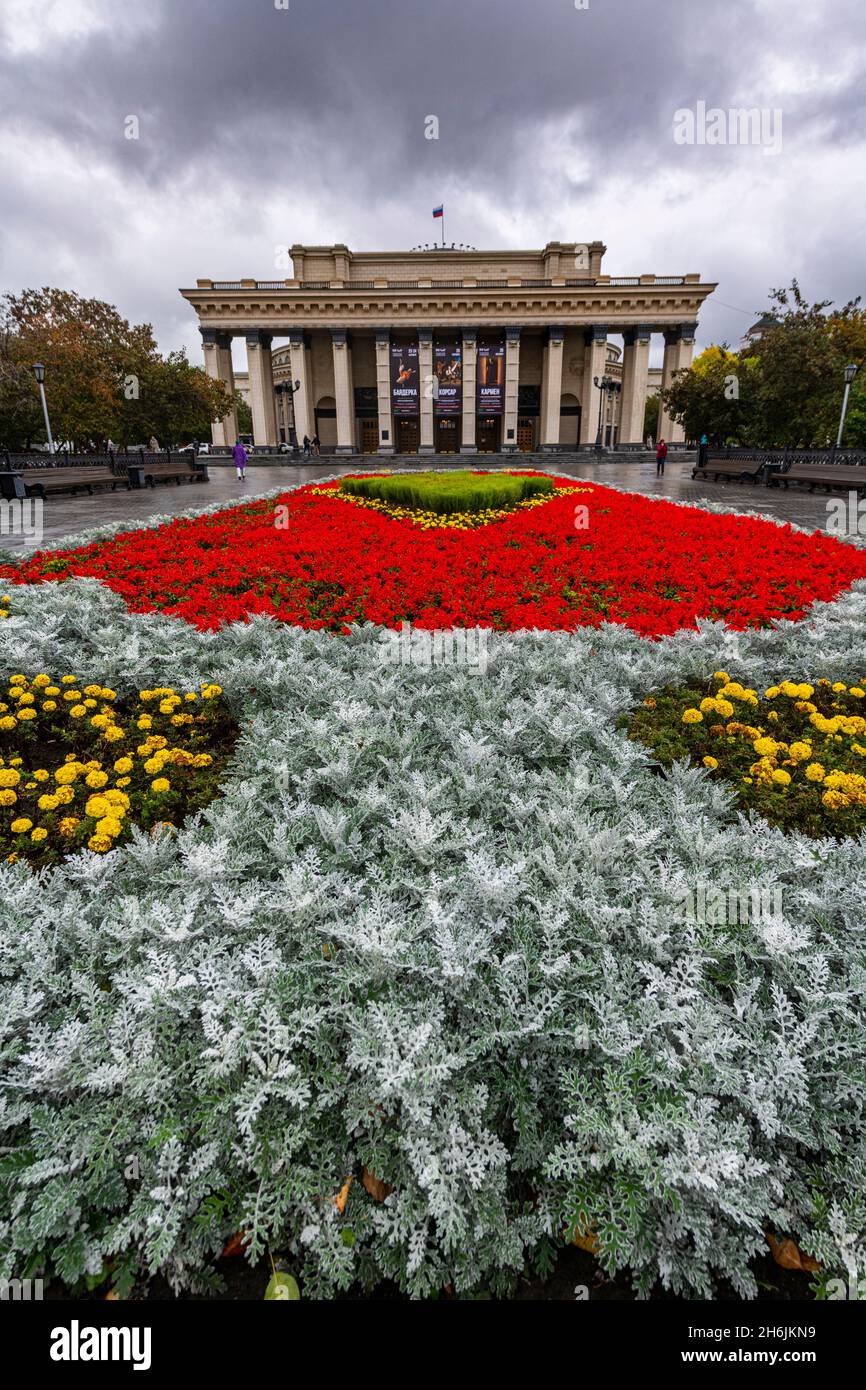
433, 928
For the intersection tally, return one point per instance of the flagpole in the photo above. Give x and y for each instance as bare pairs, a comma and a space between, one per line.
443, 227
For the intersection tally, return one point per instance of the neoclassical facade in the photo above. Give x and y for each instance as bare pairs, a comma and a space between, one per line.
447, 351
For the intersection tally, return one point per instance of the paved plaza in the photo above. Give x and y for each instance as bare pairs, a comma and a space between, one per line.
66, 516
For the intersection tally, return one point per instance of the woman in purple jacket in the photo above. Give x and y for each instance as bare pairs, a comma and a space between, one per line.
240, 457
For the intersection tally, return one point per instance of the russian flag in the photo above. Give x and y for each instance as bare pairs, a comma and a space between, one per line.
439, 212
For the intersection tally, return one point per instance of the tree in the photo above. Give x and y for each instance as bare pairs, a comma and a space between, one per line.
651, 417
105, 377
715, 397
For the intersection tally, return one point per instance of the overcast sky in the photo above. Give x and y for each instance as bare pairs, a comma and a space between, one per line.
260, 126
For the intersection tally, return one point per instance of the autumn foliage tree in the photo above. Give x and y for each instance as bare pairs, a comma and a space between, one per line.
787, 385
105, 377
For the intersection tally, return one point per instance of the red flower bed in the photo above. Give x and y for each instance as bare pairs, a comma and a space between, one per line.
650, 565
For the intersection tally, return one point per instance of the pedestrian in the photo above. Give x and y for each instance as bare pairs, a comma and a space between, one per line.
111, 447
649, 441
239, 454
153, 444
306, 446
661, 455
317, 445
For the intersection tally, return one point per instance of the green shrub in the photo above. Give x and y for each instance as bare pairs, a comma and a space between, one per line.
446, 493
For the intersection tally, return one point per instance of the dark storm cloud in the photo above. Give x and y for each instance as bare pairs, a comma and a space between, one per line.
260, 125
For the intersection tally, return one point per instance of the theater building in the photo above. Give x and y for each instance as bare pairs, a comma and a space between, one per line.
447, 351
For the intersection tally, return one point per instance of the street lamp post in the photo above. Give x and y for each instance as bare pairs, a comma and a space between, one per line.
39, 373
287, 389
609, 385
850, 373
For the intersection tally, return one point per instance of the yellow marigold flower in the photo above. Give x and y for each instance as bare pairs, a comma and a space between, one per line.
9, 777
161, 784
790, 689
52, 690
68, 680
41, 681
96, 779
815, 772
48, 802
71, 696
89, 704
97, 806
27, 698
69, 825
100, 721
145, 722
8, 797
781, 777
124, 781
123, 765
49, 706
839, 688
26, 714
800, 752
108, 694
708, 706
41, 774
710, 762
99, 843
21, 826
64, 795
725, 708
40, 833
77, 712
834, 801
211, 692
692, 716
66, 774
8, 722
772, 692
765, 747
109, 825
205, 759
857, 692
721, 676
192, 697
113, 734
18, 680
145, 695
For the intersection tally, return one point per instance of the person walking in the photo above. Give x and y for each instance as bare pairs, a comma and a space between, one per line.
661, 455
317, 445
306, 446
239, 454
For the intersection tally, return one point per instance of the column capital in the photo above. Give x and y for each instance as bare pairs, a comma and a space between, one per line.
672, 335
209, 337
640, 333
556, 333
596, 333
257, 338
425, 335
340, 337
383, 337
512, 335
298, 338
688, 332
470, 335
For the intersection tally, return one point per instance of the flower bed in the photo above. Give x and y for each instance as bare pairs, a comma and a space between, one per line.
797, 754
313, 560
80, 768
430, 938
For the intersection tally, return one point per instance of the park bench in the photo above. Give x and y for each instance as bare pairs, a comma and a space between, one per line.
177, 471
44, 482
841, 477
741, 470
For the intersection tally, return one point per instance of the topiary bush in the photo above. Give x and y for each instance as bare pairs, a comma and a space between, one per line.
447, 493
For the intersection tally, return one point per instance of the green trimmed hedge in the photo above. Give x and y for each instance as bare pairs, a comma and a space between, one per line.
446, 493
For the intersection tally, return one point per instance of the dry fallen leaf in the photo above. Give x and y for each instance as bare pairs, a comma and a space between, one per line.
788, 1254
236, 1245
584, 1239
342, 1196
377, 1189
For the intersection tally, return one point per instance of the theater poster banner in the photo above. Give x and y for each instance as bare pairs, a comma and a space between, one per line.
491, 376
448, 366
404, 377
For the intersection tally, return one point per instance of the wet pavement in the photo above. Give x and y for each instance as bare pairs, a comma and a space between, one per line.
66, 516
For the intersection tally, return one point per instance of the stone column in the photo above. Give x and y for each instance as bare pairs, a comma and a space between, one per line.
426, 381
551, 388
594, 365
344, 392
302, 400
383, 391
679, 350
512, 376
635, 368
470, 371
218, 364
262, 399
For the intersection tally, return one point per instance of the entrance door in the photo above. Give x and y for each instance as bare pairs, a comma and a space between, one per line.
525, 434
448, 435
488, 434
408, 434
369, 436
